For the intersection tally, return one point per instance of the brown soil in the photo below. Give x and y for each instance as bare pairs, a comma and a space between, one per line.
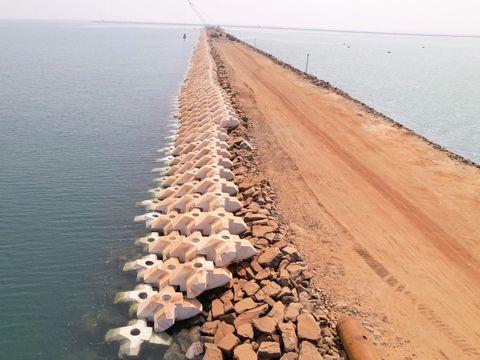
389, 224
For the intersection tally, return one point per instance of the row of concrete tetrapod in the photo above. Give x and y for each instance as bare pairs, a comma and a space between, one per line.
194, 233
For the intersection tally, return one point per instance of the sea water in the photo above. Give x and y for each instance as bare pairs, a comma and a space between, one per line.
430, 84
83, 109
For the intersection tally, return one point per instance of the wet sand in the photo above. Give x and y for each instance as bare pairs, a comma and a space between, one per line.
390, 224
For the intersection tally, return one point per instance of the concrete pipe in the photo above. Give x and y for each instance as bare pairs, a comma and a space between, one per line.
355, 340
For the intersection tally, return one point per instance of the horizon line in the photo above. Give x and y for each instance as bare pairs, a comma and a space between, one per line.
268, 27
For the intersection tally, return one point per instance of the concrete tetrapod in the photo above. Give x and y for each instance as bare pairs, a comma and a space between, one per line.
186, 203
207, 159
193, 277
141, 292
207, 223
133, 335
222, 248
205, 171
166, 307
215, 184
225, 117
142, 264
194, 146
195, 130
207, 125
199, 154
206, 131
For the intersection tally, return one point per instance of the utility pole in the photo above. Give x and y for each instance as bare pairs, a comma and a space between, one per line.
306, 65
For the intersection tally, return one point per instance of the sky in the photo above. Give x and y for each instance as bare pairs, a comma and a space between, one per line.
457, 17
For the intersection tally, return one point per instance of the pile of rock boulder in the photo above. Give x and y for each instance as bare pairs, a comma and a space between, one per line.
270, 309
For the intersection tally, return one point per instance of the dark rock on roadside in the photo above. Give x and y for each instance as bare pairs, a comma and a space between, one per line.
308, 328
228, 343
264, 325
270, 257
244, 305
244, 352
245, 331
308, 352
213, 353
289, 356
195, 351
269, 350
289, 337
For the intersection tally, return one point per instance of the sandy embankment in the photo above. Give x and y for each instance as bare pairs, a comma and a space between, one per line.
390, 224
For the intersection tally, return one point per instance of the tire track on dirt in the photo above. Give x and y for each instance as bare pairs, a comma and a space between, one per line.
437, 236
428, 313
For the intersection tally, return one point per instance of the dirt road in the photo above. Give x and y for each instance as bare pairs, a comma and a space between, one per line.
390, 224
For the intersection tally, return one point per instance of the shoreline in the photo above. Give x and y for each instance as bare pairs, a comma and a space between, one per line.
326, 85
339, 209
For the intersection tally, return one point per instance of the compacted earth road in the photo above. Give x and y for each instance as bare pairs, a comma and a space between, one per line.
389, 224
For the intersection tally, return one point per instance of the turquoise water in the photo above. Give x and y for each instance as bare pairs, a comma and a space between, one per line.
83, 108
431, 84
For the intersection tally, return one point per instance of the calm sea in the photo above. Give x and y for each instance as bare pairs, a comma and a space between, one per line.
83, 109
431, 84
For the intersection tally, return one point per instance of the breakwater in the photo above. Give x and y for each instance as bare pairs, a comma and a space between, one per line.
218, 254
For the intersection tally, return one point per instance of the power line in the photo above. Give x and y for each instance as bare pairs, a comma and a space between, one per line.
198, 13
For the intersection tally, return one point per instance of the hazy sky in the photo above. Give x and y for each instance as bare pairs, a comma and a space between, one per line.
420, 16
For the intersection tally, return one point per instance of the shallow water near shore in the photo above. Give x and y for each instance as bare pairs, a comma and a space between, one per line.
430, 84
83, 109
